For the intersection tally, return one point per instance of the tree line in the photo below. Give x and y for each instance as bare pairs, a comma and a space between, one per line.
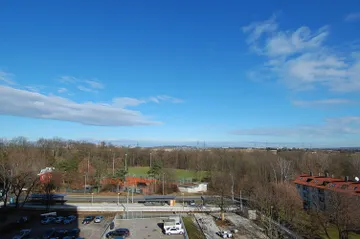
263, 175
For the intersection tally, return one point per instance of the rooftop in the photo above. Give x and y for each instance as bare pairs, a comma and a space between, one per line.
329, 183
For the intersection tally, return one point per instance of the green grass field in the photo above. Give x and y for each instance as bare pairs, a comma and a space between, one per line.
192, 230
180, 173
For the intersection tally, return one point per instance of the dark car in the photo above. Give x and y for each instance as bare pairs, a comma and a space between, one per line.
49, 233
74, 233
88, 219
60, 233
120, 232
23, 220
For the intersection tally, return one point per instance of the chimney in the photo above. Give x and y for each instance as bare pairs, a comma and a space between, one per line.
346, 178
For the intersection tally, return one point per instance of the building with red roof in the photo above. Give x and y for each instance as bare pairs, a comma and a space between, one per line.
314, 190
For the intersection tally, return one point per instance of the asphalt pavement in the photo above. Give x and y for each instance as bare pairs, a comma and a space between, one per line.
114, 198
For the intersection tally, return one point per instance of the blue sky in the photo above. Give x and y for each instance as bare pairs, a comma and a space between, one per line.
175, 72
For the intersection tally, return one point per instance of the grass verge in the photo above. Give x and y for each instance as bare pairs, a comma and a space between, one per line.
192, 230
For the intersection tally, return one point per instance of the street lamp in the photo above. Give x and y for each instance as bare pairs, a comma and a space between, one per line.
150, 159
92, 198
183, 201
118, 198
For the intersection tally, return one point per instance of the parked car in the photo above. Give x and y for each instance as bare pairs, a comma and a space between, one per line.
60, 233
49, 233
88, 219
98, 219
123, 232
23, 219
47, 220
225, 234
192, 203
69, 219
23, 234
74, 233
174, 231
59, 219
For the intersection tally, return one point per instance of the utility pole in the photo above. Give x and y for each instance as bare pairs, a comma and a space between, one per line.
85, 176
132, 195
183, 201
113, 164
150, 159
241, 203
125, 162
127, 196
163, 186
88, 163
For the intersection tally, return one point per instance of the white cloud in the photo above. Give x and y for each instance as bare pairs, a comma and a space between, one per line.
324, 102
352, 17
24, 103
83, 84
62, 90
158, 99
94, 84
302, 60
127, 101
6, 78
257, 29
329, 128
85, 89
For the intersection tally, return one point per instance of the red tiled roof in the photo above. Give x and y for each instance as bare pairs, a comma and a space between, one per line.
328, 183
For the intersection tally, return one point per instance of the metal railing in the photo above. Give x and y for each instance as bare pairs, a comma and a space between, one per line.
107, 229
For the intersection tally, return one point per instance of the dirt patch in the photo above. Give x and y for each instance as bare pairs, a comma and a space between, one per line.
225, 223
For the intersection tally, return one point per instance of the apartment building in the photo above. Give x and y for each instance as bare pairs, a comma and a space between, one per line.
315, 190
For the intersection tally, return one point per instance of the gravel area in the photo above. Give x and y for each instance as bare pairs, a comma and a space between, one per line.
207, 224
246, 227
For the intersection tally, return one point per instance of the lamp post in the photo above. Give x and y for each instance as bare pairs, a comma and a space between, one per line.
132, 195
163, 186
92, 198
150, 160
118, 199
241, 203
85, 176
183, 201
125, 162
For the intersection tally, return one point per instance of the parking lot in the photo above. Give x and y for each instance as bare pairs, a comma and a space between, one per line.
89, 231
145, 228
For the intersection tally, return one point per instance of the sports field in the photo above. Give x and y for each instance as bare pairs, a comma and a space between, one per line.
180, 173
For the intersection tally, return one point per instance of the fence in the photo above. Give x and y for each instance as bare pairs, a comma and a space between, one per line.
142, 214
107, 229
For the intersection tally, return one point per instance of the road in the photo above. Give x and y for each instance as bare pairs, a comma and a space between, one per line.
114, 198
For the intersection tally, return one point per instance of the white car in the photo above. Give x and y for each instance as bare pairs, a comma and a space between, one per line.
98, 219
174, 231
23, 234
225, 234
